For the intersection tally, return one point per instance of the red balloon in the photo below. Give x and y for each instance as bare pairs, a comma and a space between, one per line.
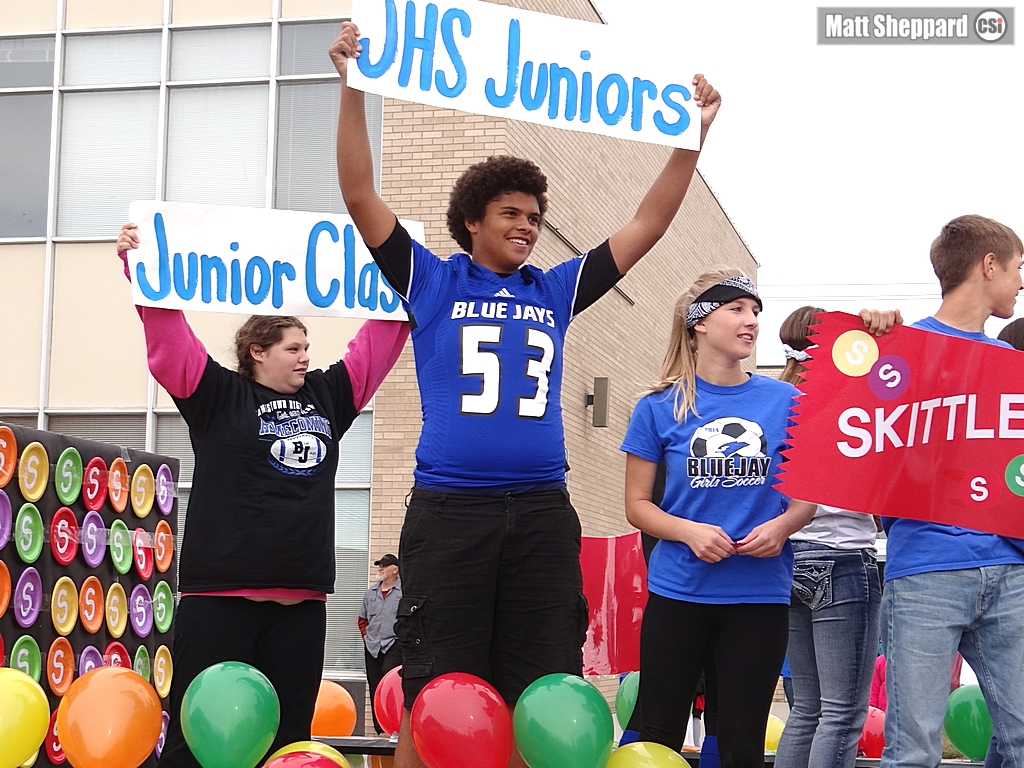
872, 738
302, 760
389, 701
459, 719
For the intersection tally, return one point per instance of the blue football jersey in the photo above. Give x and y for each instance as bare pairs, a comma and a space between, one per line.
489, 363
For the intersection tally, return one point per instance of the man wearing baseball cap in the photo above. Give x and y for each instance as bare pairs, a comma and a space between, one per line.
377, 625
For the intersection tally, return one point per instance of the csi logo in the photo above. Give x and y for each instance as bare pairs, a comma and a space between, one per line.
990, 25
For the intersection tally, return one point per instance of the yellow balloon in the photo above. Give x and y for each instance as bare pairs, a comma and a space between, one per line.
24, 717
645, 754
316, 747
772, 733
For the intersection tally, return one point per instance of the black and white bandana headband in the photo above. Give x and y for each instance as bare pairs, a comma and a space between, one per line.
800, 355
727, 290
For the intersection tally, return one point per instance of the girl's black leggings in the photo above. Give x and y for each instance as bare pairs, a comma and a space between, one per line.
749, 643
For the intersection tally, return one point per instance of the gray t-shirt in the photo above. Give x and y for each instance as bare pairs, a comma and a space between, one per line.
380, 613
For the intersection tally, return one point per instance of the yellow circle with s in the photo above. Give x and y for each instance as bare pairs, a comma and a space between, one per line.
854, 352
116, 610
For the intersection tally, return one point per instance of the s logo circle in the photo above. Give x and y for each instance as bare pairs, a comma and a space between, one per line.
854, 352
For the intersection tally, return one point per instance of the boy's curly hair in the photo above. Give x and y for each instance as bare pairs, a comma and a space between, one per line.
485, 181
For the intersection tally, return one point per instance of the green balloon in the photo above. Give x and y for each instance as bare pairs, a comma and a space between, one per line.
968, 725
562, 721
230, 715
625, 699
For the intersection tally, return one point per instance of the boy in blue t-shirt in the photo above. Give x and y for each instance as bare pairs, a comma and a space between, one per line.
489, 497
950, 588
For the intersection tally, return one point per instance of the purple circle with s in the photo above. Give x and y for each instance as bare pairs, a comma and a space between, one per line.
140, 608
6, 518
165, 721
93, 539
90, 659
164, 489
28, 598
889, 377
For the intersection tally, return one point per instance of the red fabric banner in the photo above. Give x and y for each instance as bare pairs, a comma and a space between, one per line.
911, 424
615, 585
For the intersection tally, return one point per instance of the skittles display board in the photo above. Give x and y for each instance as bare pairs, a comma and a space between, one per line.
88, 568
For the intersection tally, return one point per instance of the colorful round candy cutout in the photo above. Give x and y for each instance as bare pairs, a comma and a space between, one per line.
163, 671
54, 750
163, 546
60, 666
165, 722
28, 598
90, 605
94, 484
90, 659
64, 536
163, 606
28, 533
854, 353
5, 593
142, 549
93, 539
143, 490
33, 471
8, 455
117, 610
141, 611
142, 664
116, 655
120, 546
25, 656
1014, 475
68, 475
164, 489
6, 519
118, 485
64, 606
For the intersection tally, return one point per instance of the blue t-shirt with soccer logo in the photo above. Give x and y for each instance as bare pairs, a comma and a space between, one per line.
721, 468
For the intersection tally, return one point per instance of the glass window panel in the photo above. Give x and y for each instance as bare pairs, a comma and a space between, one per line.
20, 419
344, 648
213, 54
111, 59
172, 440
108, 157
26, 61
355, 451
126, 429
217, 145
24, 163
307, 177
183, 494
304, 48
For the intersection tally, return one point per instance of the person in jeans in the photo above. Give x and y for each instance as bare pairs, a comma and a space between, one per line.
377, 626
947, 587
833, 614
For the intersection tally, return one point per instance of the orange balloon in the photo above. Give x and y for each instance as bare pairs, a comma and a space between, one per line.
335, 713
109, 718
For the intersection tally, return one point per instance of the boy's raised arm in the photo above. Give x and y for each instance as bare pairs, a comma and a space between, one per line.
662, 201
372, 216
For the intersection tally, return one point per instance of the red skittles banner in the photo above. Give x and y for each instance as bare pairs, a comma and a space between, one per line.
615, 585
912, 424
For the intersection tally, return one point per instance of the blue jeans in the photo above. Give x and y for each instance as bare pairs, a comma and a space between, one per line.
833, 642
928, 617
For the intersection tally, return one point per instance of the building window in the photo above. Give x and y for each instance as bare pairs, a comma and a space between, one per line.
26, 62
107, 159
221, 53
24, 163
124, 58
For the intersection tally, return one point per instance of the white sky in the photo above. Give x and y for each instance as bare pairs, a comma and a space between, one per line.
839, 164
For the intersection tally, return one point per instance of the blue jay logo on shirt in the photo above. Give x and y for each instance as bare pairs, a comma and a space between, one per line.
300, 436
728, 452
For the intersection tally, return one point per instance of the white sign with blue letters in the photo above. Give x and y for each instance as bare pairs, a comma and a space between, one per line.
494, 60
257, 261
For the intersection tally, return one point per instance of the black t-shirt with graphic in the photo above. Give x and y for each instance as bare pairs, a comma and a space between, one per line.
261, 508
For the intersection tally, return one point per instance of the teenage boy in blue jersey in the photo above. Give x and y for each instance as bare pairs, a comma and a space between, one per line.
490, 467
950, 588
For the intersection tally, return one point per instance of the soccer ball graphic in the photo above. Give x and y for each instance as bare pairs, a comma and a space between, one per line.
730, 436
